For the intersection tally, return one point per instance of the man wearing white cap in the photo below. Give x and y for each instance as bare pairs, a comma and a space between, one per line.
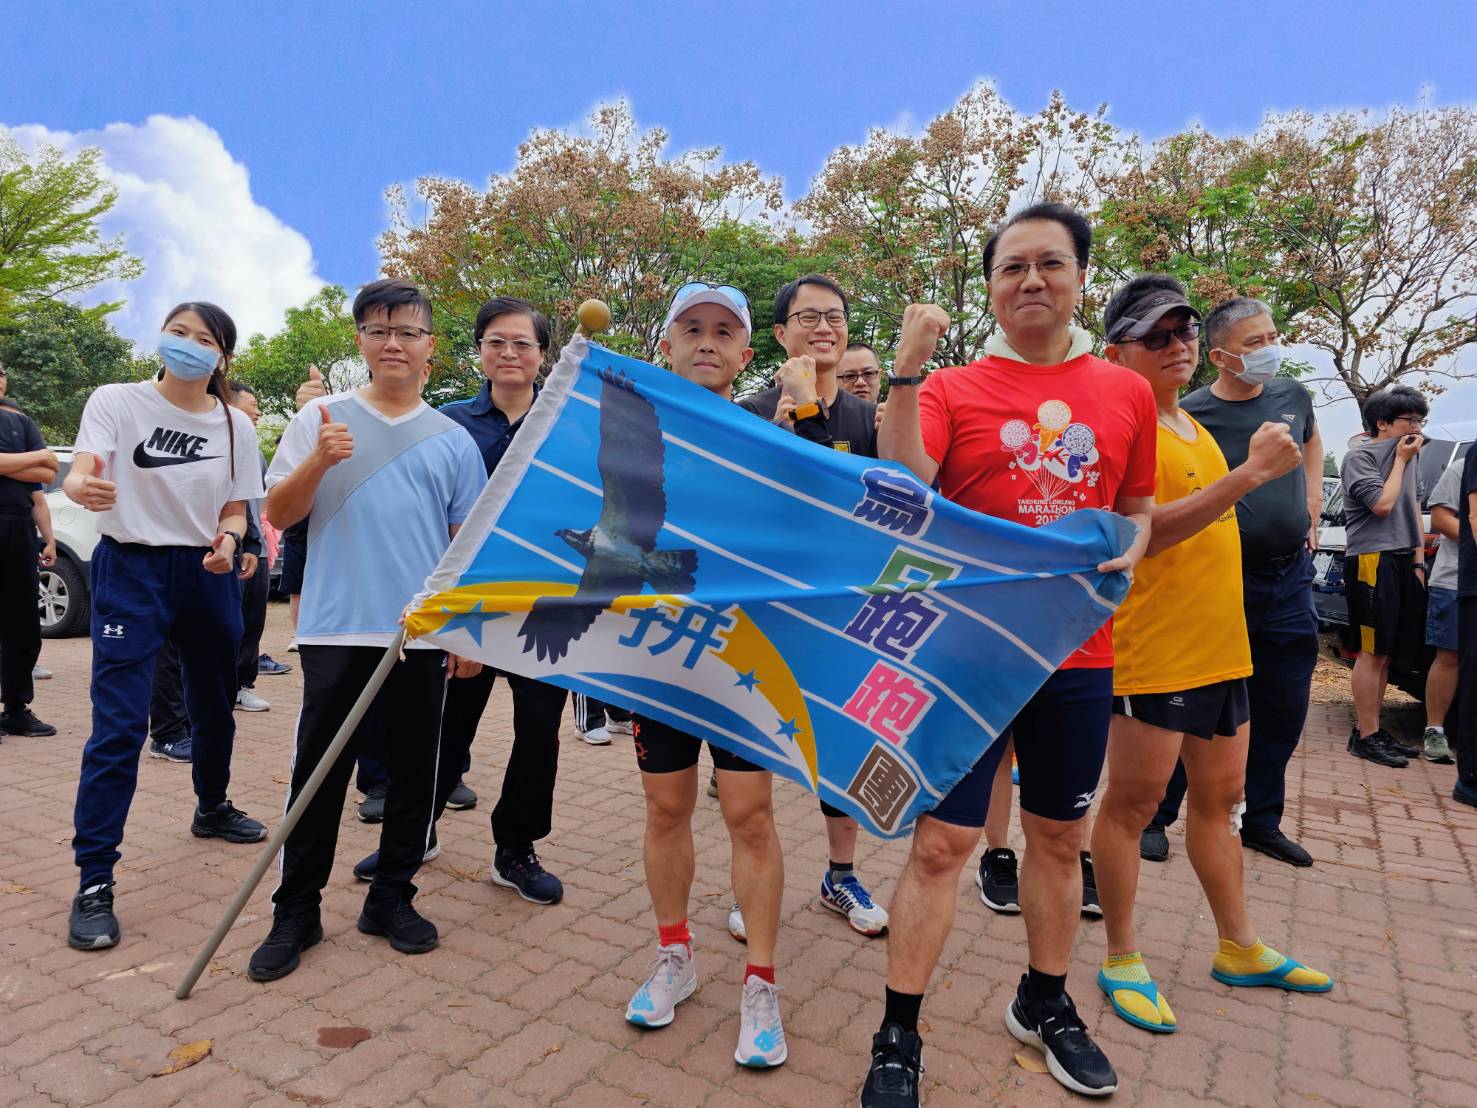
707, 342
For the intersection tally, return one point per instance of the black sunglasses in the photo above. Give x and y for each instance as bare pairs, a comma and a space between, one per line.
1158, 340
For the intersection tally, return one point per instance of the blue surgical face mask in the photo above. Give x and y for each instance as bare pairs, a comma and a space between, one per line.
187, 360
1258, 366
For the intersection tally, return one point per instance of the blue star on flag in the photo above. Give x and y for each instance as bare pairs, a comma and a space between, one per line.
748, 681
472, 621
788, 729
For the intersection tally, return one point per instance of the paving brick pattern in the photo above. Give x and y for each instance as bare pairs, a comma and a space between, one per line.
522, 1005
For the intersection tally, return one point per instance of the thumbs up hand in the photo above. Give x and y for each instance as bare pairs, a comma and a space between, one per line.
220, 558
310, 389
89, 489
335, 441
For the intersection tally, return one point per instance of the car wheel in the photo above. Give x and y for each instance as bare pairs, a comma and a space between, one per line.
63, 600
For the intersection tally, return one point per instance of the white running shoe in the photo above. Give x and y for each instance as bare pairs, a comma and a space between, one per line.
761, 1038
849, 898
248, 701
673, 979
620, 727
596, 736
736, 926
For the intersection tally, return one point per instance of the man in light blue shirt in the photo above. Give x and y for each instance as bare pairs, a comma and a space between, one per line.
385, 481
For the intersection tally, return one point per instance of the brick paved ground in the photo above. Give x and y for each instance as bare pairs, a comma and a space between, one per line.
523, 1005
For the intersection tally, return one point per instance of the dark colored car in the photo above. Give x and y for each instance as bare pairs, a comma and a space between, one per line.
1407, 669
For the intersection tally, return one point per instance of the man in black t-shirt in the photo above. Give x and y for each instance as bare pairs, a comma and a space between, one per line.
810, 322
26, 466
1279, 534
1465, 790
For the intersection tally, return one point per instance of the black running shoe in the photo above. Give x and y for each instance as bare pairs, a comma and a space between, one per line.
1378, 747
23, 721
896, 1076
291, 934
1053, 1027
226, 821
92, 925
524, 872
1153, 844
369, 865
461, 798
372, 807
1091, 905
998, 881
392, 915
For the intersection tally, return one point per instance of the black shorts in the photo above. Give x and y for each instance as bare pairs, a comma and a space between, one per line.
1210, 710
1061, 738
294, 558
661, 748
1382, 589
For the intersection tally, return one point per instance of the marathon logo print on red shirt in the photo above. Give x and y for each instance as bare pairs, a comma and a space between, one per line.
166, 447
1053, 454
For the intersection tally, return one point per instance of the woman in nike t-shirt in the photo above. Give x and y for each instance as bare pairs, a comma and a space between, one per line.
168, 465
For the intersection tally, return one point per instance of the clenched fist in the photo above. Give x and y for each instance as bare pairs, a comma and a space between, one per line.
797, 378
310, 389
1272, 452
923, 326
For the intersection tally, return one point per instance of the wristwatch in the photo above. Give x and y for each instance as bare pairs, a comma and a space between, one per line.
805, 411
236, 536
894, 382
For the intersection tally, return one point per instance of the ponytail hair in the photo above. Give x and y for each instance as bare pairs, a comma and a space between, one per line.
222, 328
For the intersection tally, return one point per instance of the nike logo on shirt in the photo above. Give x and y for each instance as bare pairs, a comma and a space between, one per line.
177, 448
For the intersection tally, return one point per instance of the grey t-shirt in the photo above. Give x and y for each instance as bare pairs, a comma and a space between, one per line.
1274, 518
1447, 494
1363, 476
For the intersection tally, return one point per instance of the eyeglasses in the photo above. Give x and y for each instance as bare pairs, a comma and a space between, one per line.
1158, 340
859, 375
809, 317
375, 332
495, 345
1054, 266
1413, 420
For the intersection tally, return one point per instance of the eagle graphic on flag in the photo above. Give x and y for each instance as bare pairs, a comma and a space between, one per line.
826, 616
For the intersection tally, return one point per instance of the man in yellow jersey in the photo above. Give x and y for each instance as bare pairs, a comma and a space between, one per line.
1180, 683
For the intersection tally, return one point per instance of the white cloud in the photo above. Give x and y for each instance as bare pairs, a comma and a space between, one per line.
185, 207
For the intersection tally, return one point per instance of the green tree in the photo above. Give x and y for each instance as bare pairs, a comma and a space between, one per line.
55, 356
1330, 464
320, 332
50, 246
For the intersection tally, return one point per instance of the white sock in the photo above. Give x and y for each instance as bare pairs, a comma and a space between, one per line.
1436, 727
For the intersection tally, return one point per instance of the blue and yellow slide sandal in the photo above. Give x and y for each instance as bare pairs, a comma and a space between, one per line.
1287, 974
1139, 1003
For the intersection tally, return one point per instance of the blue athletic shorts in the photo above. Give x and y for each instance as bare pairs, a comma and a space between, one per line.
1441, 619
1061, 738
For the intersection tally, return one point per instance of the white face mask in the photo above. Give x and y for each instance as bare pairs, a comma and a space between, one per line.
1257, 366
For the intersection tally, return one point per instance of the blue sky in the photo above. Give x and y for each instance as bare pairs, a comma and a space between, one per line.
324, 104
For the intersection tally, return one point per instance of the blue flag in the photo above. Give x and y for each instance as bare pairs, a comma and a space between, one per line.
826, 616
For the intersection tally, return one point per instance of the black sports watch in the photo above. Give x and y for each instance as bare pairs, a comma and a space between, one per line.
893, 382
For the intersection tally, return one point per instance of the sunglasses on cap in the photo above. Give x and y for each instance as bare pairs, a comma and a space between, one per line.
692, 288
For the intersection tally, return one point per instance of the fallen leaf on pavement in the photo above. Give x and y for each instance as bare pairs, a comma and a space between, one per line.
16, 889
1030, 1060
184, 1056
342, 1038
553, 1048
1220, 1011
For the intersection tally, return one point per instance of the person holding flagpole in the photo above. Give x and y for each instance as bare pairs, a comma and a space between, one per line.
378, 461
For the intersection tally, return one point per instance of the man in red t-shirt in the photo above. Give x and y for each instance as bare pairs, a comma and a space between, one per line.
1034, 430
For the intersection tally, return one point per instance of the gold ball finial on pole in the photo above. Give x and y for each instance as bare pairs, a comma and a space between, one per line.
594, 317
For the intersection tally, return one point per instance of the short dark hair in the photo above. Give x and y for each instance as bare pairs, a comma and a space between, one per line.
1119, 302
389, 294
237, 387
511, 305
786, 296
1074, 221
1228, 313
859, 345
1388, 405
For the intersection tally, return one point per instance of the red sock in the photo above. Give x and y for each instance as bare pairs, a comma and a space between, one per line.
764, 973
674, 934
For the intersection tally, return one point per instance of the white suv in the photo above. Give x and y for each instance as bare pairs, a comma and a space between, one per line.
64, 600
